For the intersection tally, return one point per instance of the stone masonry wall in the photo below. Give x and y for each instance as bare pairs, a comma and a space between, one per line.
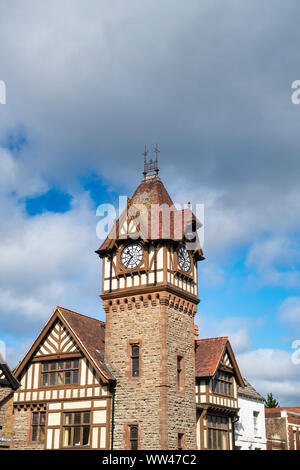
181, 404
5, 414
21, 435
151, 400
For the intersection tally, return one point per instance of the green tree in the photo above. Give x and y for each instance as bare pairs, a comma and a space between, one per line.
271, 402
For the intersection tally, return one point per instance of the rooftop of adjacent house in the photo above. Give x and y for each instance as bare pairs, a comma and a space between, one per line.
249, 392
289, 409
6, 375
208, 355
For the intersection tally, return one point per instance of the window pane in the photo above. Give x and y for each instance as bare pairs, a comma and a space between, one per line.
134, 445
45, 365
52, 379
45, 379
35, 418
133, 432
135, 366
76, 363
60, 378
68, 418
42, 433
42, 418
67, 378
67, 437
135, 350
86, 417
224, 440
68, 364
209, 438
61, 364
34, 433
214, 438
76, 436
77, 418
75, 377
86, 436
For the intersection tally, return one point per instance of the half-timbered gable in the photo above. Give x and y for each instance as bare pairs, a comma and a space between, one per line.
64, 400
217, 381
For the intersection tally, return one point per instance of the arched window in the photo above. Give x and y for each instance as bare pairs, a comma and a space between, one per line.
134, 437
135, 359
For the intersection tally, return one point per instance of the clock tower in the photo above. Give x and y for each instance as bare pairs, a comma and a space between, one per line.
150, 296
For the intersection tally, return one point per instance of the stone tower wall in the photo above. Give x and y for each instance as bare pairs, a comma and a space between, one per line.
164, 327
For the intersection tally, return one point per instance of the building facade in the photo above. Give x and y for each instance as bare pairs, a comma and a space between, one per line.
141, 380
283, 428
8, 385
217, 381
250, 429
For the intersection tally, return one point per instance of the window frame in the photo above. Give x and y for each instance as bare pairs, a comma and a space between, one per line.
218, 383
134, 357
133, 439
38, 427
58, 370
74, 425
179, 372
218, 430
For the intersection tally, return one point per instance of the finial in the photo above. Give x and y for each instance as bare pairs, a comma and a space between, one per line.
145, 154
152, 165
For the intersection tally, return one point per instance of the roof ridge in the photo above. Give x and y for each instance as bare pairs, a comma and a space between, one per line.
212, 339
81, 314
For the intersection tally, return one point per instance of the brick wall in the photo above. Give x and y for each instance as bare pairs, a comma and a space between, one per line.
276, 433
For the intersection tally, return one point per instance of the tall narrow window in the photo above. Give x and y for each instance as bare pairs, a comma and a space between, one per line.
38, 426
255, 423
180, 439
179, 372
135, 359
134, 437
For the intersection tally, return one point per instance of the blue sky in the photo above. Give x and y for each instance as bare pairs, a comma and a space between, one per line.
87, 87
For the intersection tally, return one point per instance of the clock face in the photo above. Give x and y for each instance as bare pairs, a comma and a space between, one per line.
132, 255
184, 259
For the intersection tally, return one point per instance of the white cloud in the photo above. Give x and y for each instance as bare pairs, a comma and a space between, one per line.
276, 261
289, 313
236, 328
272, 371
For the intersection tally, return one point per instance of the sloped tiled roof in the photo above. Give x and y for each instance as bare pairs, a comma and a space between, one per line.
290, 409
208, 355
91, 334
150, 195
87, 332
249, 392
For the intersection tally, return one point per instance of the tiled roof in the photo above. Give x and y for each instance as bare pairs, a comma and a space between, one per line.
249, 392
91, 334
150, 194
291, 409
208, 355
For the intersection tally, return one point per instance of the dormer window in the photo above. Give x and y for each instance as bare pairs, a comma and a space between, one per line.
222, 383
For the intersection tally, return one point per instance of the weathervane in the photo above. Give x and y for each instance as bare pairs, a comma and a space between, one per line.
152, 165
